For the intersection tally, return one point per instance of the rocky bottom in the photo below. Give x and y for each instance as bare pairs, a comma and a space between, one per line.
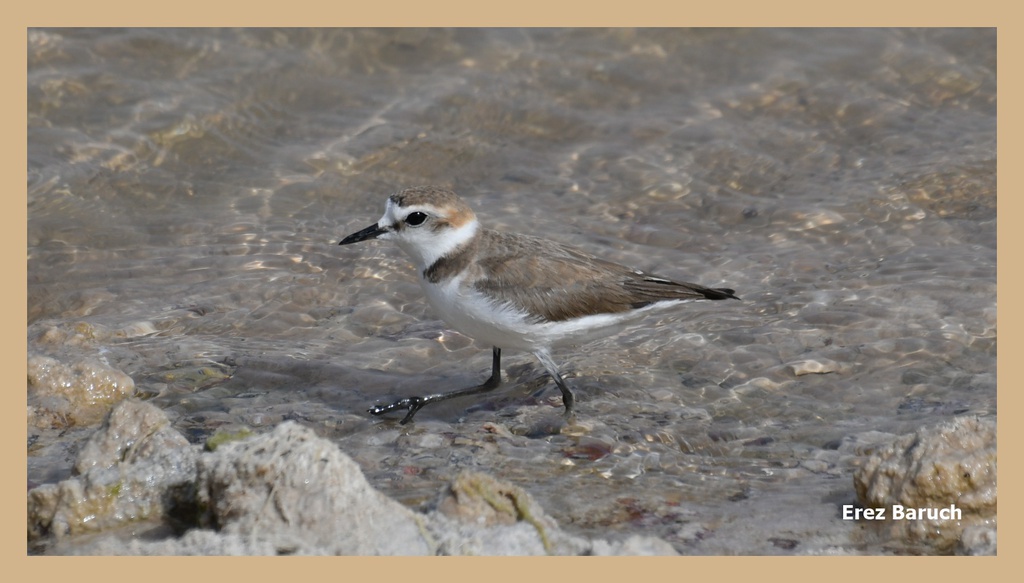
140, 488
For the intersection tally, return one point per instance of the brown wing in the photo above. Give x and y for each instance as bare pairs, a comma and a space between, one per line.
556, 282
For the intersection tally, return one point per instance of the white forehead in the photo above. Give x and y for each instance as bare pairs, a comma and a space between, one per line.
394, 213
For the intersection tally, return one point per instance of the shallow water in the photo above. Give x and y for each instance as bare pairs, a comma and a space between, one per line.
187, 190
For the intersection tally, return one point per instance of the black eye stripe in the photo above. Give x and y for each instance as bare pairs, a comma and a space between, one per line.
415, 219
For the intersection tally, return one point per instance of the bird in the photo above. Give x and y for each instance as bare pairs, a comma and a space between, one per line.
514, 291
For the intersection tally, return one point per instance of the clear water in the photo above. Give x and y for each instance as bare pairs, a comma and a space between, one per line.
187, 190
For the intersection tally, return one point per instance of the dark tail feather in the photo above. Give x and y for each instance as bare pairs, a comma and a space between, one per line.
719, 293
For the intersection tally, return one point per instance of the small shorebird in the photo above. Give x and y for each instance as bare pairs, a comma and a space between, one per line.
514, 291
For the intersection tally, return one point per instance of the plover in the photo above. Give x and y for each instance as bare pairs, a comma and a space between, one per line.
514, 291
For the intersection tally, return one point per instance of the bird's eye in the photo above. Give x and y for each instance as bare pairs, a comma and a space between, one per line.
415, 219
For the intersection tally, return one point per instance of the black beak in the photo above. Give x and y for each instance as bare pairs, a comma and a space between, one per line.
371, 232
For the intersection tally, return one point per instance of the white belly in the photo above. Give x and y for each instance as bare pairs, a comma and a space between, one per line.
470, 312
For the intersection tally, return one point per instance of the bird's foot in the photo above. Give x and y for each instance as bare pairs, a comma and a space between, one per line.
413, 404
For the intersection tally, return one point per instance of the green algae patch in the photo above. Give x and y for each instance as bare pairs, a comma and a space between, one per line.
221, 437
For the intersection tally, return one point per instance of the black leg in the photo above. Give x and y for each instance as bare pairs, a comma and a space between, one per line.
414, 404
568, 399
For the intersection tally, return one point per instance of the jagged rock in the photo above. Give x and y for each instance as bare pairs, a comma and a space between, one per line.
63, 395
284, 492
126, 470
952, 465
